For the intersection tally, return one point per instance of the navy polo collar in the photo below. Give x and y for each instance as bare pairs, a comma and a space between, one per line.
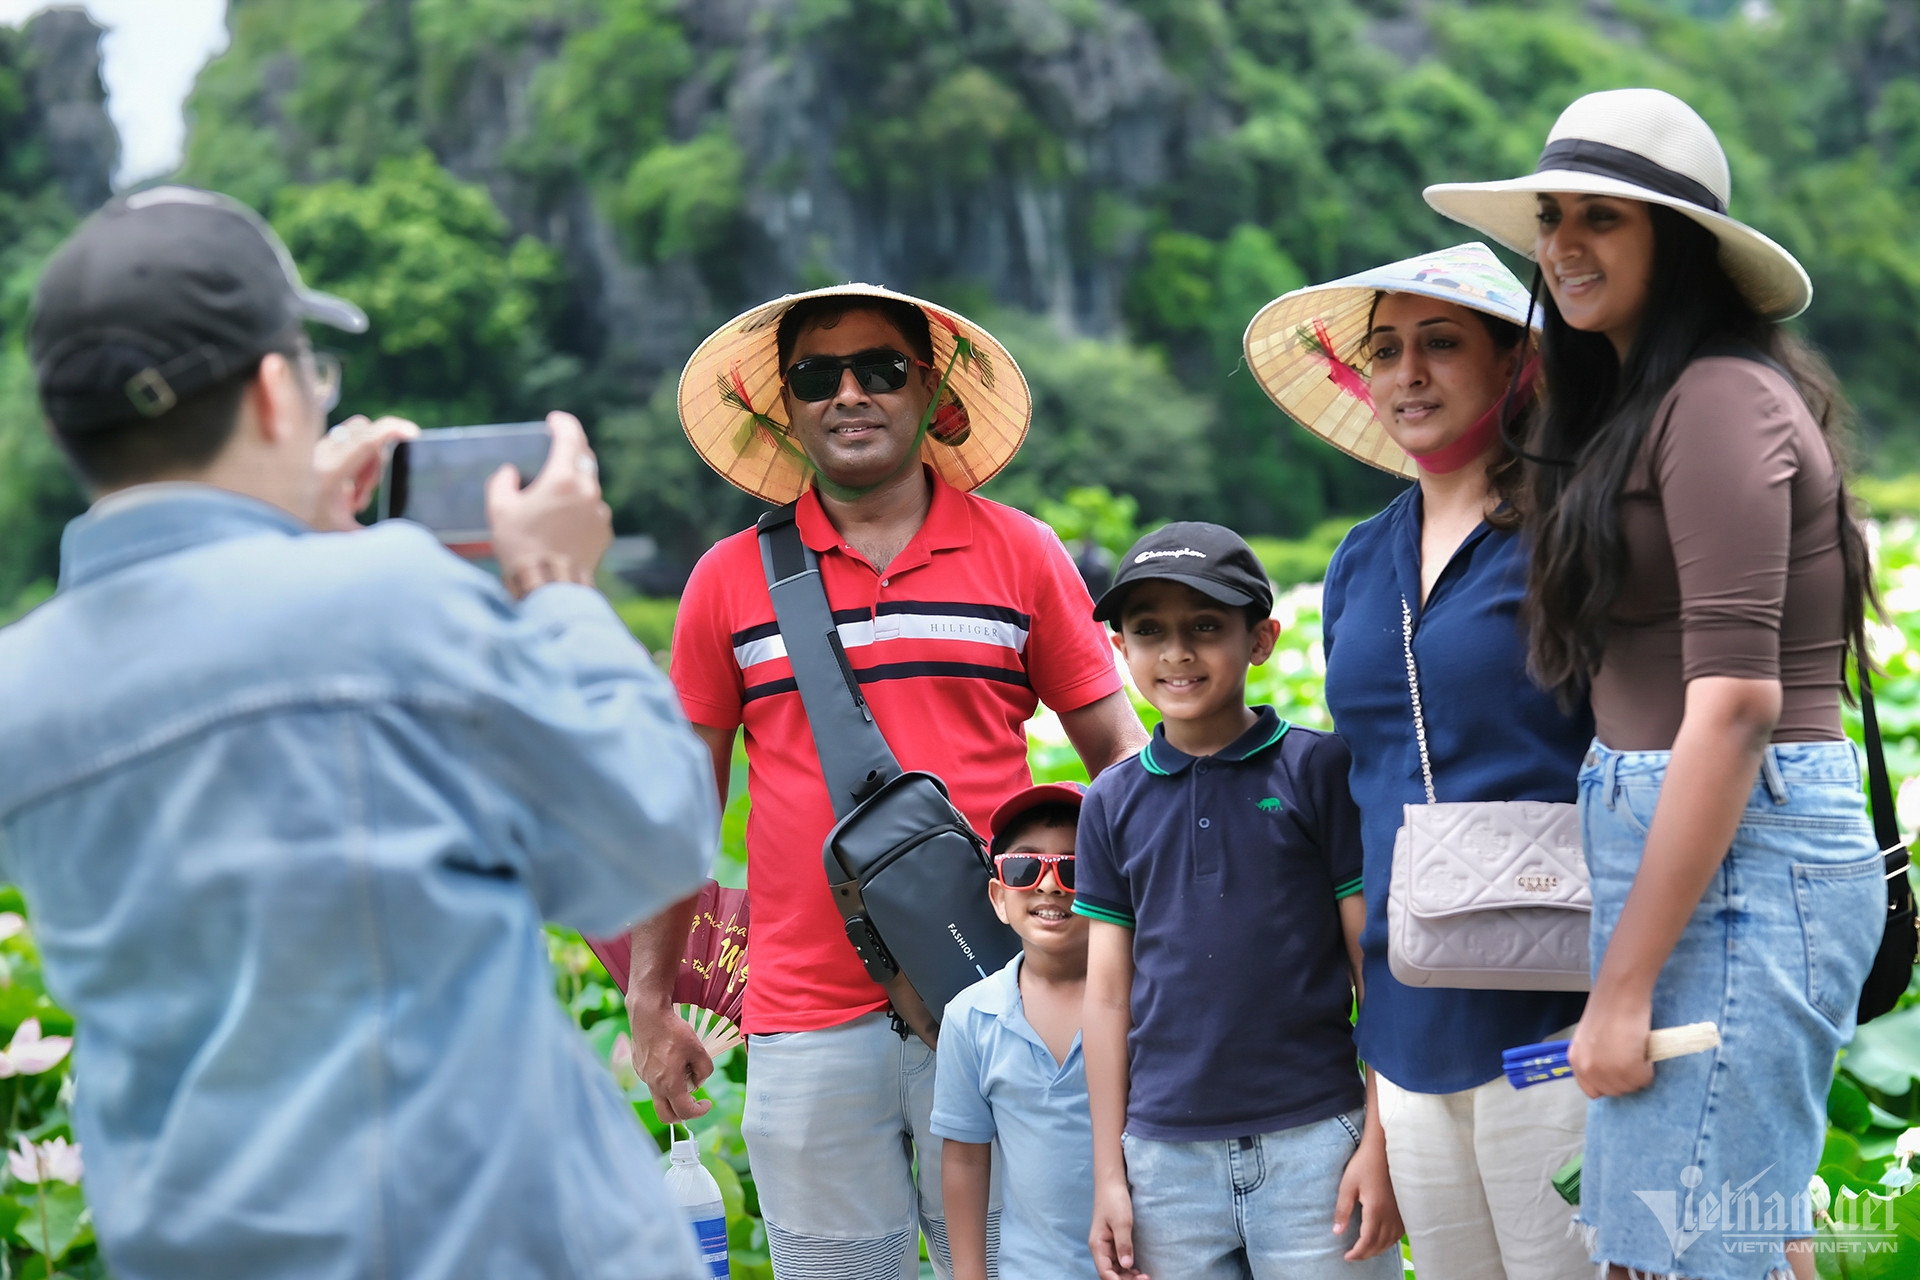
1409, 517
1163, 758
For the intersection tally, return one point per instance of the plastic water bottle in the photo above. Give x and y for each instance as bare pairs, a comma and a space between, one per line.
698, 1195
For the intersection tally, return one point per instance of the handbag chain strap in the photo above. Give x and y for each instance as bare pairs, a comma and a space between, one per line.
1413, 687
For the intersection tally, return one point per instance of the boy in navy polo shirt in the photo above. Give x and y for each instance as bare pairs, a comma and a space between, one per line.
1220, 871
1010, 1068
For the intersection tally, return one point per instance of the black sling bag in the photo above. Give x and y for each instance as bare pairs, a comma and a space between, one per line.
907, 872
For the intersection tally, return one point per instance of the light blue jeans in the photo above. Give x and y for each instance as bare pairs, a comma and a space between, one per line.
847, 1169
1704, 1173
1256, 1208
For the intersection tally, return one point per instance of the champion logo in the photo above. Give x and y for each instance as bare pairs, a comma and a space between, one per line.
1145, 556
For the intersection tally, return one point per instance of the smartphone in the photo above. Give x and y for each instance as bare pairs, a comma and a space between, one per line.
440, 478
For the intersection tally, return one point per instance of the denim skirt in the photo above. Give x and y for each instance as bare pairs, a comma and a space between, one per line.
1704, 1173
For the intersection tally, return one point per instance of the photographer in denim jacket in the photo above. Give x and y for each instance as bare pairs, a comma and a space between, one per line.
289, 801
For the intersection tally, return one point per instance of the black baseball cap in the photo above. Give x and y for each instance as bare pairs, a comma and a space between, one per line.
1210, 558
160, 295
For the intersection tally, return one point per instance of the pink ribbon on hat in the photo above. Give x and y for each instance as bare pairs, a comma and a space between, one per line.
1479, 437
1339, 372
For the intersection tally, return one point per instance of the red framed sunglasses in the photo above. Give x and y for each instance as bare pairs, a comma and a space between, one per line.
1023, 870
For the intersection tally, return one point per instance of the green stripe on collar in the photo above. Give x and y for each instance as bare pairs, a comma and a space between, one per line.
1148, 763
1279, 732
1091, 912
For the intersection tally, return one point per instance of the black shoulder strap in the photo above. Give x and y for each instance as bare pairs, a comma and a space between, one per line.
1886, 823
854, 757
1886, 826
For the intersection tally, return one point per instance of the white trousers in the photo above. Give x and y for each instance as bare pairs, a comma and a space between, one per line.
1473, 1174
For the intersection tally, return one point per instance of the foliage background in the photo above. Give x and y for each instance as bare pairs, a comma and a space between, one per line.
549, 202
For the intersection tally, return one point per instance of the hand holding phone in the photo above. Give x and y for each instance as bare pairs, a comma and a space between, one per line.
439, 478
348, 462
557, 528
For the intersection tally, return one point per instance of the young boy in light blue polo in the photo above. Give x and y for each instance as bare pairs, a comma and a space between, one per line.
1010, 1066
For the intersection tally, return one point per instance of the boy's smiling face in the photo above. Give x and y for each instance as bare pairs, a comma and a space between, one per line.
1188, 653
1043, 915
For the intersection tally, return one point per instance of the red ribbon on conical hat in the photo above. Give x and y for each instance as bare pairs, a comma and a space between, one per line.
737, 385
969, 351
733, 390
1339, 372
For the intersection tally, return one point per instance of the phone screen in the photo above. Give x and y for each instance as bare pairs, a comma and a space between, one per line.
440, 479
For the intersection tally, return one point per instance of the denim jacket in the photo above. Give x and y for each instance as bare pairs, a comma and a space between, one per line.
288, 809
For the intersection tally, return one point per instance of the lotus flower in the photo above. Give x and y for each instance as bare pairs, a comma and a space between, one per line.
54, 1160
621, 1060
1899, 1175
31, 1053
1820, 1198
1906, 805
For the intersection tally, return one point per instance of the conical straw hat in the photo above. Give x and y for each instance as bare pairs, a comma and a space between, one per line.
1308, 348
733, 413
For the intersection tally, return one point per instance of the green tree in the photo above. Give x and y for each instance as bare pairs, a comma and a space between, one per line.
1105, 413
602, 101
37, 495
457, 304
309, 89
683, 198
1301, 134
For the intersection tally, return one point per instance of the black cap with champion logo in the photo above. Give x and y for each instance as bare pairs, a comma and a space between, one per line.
159, 295
1210, 558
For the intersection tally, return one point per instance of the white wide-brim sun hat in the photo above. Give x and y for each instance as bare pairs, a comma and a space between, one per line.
1637, 144
1307, 348
733, 414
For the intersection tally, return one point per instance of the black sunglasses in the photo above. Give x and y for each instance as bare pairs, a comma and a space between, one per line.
818, 377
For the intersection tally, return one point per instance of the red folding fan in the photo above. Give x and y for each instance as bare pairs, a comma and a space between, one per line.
712, 987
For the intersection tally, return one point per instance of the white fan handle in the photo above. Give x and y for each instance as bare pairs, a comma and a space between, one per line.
1678, 1042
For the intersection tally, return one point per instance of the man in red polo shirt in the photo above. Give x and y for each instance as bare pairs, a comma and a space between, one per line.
959, 616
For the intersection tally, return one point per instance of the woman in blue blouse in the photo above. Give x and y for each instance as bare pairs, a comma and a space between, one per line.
1408, 368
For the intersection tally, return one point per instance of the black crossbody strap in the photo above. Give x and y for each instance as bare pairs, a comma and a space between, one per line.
855, 759
1886, 826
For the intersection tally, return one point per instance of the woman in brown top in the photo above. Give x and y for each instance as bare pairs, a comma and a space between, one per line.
1696, 573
